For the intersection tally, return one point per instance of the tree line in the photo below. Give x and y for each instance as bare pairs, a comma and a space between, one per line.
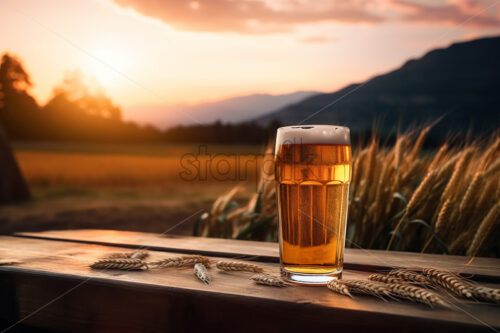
78, 111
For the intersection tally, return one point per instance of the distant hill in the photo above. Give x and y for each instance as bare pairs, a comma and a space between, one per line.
461, 83
229, 110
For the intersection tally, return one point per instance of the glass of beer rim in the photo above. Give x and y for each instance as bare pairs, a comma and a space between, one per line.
313, 167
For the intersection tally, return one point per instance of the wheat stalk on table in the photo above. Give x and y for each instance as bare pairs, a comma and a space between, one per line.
268, 280
129, 255
485, 294
238, 266
449, 281
179, 261
387, 290
385, 278
409, 275
339, 288
119, 263
363, 287
416, 294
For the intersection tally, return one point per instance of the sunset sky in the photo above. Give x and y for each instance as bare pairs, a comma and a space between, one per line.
151, 53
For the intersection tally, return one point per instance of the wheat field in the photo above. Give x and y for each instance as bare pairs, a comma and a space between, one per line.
119, 186
93, 166
400, 199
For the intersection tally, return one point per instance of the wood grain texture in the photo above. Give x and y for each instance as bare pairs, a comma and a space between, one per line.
481, 269
173, 299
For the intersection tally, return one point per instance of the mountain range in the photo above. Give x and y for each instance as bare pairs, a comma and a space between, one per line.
460, 83
230, 110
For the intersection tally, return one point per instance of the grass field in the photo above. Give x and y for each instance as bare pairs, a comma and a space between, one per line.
128, 187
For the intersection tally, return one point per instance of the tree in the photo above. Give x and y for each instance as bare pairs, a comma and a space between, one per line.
87, 95
12, 184
20, 114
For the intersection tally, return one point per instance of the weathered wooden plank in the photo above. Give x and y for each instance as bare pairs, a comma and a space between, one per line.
480, 269
174, 299
127, 308
262, 251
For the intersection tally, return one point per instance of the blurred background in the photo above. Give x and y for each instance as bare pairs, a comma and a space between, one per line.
135, 115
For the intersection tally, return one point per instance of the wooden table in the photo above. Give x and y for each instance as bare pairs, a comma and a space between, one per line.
52, 288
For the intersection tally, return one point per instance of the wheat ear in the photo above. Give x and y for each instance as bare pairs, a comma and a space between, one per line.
419, 143
131, 255
339, 288
458, 174
484, 230
399, 290
490, 153
493, 168
486, 294
437, 158
416, 294
444, 216
409, 276
372, 160
117, 263
385, 278
365, 287
188, 260
238, 266
470, 193
268, 280
200, 271
484, 201
449, 281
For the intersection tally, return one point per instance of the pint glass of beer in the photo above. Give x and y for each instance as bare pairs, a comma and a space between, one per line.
313, 172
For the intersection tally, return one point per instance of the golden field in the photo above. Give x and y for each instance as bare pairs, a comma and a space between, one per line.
42, 169
123, 186
65, 165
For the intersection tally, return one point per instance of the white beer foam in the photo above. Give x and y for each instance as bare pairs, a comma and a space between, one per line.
313, 134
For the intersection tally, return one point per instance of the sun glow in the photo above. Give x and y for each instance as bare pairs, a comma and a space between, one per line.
107, 65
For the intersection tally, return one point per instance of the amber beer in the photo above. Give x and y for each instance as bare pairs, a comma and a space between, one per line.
313, 172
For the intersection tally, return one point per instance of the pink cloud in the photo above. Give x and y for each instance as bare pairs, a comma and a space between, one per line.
250, 16
268, 16
467, 12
